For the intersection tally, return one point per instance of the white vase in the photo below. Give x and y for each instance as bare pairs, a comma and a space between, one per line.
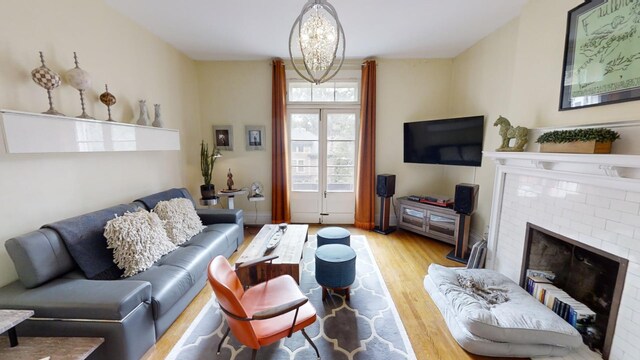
157, 122
144, 116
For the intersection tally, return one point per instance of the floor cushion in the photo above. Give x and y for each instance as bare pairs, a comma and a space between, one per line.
481, 346
521, 320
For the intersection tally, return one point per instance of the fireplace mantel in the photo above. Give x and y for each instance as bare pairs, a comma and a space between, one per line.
606, 165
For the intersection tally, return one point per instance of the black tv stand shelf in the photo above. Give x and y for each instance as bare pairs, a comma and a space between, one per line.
437, 222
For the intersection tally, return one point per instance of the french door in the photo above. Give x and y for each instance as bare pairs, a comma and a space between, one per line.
322, 147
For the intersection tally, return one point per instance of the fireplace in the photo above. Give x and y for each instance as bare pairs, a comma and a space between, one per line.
593, 200
591, 276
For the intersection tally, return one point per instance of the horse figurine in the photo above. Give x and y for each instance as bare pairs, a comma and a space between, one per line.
509, 132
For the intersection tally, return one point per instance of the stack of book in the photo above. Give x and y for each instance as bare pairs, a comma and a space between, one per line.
574, 312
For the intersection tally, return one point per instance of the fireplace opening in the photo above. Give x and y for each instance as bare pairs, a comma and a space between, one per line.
590, 276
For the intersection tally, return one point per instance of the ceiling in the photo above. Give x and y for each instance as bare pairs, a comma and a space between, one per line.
259, 29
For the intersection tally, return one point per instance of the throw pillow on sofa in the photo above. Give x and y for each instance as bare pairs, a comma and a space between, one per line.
138, 240
181, 219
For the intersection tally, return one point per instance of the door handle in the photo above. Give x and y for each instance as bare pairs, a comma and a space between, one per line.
325, 194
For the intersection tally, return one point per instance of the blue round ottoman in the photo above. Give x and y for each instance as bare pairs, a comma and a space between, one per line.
333, 235
335, 268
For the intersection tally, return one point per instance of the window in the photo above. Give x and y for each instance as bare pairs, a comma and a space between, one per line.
329, 92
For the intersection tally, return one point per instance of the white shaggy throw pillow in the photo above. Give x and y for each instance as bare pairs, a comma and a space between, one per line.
181, 219
138, 240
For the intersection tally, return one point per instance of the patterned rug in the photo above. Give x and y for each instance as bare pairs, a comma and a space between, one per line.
367, 327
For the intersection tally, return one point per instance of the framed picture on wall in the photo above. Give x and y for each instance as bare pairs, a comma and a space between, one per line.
255, 137
601, 55
223, 137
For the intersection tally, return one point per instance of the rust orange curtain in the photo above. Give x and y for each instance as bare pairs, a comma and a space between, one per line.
279, 178
365, 179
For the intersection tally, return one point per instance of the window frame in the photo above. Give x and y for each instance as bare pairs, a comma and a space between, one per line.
344, 76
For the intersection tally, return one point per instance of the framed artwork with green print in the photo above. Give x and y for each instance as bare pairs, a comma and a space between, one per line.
602, 54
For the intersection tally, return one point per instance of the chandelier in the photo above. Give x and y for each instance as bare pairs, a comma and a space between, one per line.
316, 36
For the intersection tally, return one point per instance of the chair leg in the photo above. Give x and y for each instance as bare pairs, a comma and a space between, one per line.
223, 338
311, 342
254, 353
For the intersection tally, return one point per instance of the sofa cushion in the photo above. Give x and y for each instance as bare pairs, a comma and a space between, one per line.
39, 256
168, 284
521, 319
193, 259
181, 220
138, 240
230, 232
84, 238
150, 201
67, 298
213, 242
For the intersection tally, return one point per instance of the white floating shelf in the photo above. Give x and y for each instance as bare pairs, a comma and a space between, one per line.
39, 133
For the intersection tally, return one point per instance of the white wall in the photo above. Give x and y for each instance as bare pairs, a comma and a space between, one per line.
516, 72
410, 90
40, 188
238, 93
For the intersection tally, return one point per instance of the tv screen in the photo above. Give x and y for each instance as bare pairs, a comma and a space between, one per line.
456, 141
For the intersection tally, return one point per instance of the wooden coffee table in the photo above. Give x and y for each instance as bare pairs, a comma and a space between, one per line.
289, 253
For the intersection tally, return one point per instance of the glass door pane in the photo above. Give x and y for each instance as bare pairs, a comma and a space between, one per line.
305, 151
341, 151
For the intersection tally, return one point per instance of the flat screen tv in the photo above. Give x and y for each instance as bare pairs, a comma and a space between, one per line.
456, 141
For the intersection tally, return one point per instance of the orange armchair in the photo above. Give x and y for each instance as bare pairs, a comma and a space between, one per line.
264, 313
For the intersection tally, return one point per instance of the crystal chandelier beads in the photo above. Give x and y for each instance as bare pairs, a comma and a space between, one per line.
316, 36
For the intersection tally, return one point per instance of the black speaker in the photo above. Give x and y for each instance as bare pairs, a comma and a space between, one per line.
466, 198
386, 186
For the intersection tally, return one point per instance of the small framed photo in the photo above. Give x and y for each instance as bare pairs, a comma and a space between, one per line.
223, 137
255, 137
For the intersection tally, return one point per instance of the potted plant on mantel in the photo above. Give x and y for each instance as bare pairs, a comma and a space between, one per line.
581, 141
208, 190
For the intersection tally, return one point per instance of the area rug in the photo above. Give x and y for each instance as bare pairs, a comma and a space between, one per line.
366, 327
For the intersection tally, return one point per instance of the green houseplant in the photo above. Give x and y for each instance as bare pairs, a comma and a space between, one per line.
585, 141
207, 161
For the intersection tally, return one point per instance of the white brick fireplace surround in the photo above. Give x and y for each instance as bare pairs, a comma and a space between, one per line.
593, 199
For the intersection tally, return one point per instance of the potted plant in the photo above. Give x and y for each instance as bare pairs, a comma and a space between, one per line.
582, 141
207, 160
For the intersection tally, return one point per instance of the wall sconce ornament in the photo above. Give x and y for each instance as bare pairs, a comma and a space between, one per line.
47, 79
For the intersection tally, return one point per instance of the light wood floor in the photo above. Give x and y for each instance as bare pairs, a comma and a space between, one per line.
403, 259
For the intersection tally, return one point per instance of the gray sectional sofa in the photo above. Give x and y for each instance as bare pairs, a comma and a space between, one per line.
130, 313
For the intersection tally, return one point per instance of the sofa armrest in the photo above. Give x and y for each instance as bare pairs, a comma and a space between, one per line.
64, 298
218, 216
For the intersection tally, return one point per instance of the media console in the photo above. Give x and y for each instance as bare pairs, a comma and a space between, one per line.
437, 222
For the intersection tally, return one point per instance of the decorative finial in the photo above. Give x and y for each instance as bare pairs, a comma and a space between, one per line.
108, 99
47, 79
75, 59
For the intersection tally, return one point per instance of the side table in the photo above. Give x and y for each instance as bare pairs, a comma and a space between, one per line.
209, 202
230, 194
8, 321
59, 348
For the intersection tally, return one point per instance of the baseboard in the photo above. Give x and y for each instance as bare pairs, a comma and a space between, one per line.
259, 218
